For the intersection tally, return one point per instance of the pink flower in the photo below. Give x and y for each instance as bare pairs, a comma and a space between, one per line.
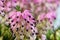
2, 8
1, 3
43, 37
37, 1
8, 4
14, 17
24, 21
41, 17
50, 1
14, 0
12, 13
51, 15
27, 14
29, 18
15, 3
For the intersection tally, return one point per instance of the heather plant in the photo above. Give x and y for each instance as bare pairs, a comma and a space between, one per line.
29, 19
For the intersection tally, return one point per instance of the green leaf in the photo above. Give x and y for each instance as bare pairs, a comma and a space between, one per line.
17, 8
49, 32
7, 35
8, 26
37, 38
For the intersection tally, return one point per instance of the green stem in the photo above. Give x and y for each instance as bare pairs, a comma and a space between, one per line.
54, 35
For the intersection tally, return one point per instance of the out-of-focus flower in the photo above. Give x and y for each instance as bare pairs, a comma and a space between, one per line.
37, 1
1, 3
51, 16
8, 6
50, 0
41, 17
43, 37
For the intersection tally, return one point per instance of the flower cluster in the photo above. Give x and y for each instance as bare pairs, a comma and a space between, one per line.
22, 24
27, 18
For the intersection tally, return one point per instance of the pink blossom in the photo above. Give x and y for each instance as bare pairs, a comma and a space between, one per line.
37, 1
1, 3
24, 20
41, 16
43, 37
49, 0
29, 17
8, 4
51, 15
1, 8
15, 3
12, 13
27, 14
